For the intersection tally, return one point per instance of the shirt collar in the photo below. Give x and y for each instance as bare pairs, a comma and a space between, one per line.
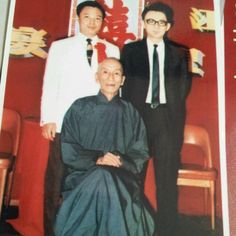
83, 38
101, 98
160, 44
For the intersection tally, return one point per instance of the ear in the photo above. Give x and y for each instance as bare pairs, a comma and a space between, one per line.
168, 26
143, 24
123, 80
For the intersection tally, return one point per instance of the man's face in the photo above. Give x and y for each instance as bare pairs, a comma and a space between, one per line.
156, 25
90, 21
110, 77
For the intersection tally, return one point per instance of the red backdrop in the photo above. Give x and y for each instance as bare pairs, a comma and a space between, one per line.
24, 82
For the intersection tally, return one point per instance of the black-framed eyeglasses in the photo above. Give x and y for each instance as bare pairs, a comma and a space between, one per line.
161, 23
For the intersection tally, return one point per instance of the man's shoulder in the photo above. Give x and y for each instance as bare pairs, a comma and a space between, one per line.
107, 43
80, 105
64, 41
176, 46
134, 47
135, 44
84, 100
111, 49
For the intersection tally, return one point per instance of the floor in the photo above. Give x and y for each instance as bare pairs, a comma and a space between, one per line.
198, 226
5, 228
188, 225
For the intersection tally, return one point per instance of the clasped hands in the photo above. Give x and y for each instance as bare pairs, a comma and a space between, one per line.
109, 159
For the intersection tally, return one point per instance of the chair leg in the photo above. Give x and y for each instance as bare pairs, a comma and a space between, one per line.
9, 183
212, 195
8, 190
3, 175
206, 192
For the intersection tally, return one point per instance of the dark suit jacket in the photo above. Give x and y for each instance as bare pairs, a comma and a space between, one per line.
134, 58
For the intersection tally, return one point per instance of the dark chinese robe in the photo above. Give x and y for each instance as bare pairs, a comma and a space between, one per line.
103, 200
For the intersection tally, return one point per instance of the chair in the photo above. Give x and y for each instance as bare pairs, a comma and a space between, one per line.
196, 175
9, 143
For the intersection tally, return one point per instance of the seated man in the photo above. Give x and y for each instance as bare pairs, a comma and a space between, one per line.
104, 147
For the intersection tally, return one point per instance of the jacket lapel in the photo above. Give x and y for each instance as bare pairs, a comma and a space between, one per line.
144, 58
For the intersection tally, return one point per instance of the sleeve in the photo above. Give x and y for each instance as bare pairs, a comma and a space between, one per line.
125, 61
124, 58
186, 78
136, 154
50, 86
73, 154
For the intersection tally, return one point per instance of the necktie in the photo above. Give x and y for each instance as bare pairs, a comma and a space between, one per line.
155, 79
89, 50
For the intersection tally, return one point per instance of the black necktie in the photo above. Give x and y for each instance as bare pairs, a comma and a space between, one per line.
89, 50
155, 79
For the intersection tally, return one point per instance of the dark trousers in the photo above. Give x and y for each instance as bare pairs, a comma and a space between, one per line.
53, 181
166, 157
167, 192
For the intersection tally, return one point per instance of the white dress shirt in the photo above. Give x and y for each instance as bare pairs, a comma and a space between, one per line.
68, 76
161, 56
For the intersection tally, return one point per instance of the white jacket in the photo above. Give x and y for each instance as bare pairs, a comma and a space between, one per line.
68, 76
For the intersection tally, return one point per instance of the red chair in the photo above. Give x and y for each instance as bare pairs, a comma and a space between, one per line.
9, 143
197, 175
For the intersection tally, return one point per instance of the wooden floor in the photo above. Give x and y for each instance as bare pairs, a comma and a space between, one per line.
188, 225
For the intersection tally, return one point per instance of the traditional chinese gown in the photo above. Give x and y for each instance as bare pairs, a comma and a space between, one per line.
103, 200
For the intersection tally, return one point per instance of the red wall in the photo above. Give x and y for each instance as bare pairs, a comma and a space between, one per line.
24, 81
230, 83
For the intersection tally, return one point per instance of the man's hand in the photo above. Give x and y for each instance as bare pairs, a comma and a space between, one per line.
109, 159
49, 131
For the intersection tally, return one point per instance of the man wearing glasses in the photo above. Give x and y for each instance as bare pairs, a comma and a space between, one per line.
157, 83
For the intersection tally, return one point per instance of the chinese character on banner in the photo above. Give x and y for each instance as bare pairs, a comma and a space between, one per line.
202, 20
121, 24
197, 61
28, 42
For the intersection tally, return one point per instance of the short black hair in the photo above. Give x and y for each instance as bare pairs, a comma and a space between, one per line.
162, 7
95, 4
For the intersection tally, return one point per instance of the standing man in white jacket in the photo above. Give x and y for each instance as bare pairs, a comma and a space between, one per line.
69, 75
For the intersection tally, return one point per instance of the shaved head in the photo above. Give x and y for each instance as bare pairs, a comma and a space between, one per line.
111, 60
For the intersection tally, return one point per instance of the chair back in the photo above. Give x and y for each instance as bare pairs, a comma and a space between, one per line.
199, 137
11, 123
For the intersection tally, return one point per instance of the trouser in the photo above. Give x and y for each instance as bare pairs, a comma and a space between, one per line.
165, 150
53, 182
166, 170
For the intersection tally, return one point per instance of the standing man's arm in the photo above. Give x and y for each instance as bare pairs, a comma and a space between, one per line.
49, 94
49, 131
125, 63
186, 75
